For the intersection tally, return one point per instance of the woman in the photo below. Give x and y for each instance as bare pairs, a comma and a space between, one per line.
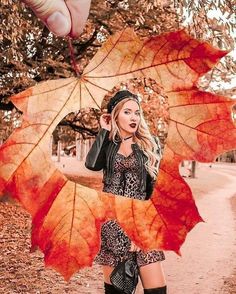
129, 157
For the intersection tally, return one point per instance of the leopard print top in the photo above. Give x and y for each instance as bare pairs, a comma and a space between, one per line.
126, 177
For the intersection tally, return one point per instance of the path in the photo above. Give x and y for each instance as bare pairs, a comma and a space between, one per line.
208, 255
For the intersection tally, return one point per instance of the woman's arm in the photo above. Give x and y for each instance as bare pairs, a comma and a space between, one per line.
96, 157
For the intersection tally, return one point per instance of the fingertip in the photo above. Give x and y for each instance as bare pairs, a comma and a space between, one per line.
58, 24
75, 34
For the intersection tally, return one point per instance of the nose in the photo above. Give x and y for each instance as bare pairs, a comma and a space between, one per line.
133, 117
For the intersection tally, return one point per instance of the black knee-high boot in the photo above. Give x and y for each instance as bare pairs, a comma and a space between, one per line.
110, 289
161, 290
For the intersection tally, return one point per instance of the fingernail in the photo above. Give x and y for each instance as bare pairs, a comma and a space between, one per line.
58, 24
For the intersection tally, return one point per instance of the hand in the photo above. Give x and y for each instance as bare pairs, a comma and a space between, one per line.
62, 17
105, 121
134, 247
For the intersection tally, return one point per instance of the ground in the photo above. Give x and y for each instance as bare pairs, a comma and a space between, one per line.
207, 265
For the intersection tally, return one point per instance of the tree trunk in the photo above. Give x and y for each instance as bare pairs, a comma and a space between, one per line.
193, 169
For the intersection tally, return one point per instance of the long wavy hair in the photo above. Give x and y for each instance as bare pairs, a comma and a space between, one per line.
142, 137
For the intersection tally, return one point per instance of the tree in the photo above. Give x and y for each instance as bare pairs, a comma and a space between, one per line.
32, 54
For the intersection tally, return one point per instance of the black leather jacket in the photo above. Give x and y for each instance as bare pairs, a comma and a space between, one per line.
102, 154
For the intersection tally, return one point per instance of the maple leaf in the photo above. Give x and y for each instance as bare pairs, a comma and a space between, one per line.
67, 217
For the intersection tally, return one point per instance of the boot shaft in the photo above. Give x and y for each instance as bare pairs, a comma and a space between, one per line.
160, 290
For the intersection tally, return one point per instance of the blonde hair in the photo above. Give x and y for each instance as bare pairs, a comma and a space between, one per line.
142, 137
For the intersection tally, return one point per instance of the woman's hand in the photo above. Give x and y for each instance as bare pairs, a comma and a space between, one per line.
62, 17
105, 121
134, 247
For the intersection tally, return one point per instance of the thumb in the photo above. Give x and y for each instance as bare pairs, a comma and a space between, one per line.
54, 13
79, 11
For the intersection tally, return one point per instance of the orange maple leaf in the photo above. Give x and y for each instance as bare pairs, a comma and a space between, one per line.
67, 217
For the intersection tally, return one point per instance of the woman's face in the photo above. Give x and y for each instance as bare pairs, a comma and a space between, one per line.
128, 118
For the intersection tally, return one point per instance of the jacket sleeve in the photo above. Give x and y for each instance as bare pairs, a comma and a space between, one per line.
149, 186
96, 157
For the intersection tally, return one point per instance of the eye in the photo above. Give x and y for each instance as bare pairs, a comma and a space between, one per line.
138, 113
126, 112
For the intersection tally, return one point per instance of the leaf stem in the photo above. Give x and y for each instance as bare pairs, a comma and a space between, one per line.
72, 57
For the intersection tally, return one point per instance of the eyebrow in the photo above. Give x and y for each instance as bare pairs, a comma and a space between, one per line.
131, 109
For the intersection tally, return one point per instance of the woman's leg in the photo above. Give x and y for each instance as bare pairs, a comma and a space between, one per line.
152, 277
107, 270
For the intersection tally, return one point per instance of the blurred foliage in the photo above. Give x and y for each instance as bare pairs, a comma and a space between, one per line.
214, 21
29, 53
